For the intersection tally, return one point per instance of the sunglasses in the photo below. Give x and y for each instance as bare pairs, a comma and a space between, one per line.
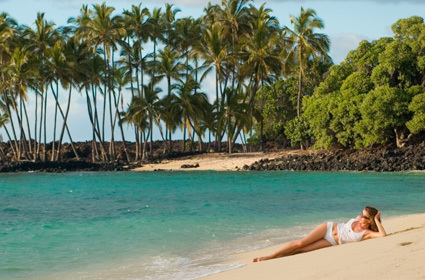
365, 217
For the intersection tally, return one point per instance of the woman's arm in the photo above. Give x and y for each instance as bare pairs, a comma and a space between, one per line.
381, 231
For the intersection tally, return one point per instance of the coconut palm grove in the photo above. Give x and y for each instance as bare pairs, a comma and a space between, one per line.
271, 83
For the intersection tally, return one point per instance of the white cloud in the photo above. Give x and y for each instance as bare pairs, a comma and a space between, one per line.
342, 44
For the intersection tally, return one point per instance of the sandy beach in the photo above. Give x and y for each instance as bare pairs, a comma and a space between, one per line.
216, 161
399, 255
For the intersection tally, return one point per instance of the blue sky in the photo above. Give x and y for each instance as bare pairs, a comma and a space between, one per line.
347, 22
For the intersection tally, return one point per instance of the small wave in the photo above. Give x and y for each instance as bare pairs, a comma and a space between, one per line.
10, 210
4, 271
184, 268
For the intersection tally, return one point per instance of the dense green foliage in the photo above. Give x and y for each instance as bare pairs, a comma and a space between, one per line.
376, 96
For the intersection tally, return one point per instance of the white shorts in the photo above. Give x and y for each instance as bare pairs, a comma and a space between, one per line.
329, 236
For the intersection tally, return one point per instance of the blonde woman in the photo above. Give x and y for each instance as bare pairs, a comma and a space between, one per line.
365, 226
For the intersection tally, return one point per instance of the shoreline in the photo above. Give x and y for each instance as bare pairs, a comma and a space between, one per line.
373, 159
213, 161
399, 255
411, 158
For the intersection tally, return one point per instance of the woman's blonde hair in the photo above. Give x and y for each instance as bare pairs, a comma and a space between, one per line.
372, 213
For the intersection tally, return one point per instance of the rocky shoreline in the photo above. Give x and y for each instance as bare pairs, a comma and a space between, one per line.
384, 159
376, 159
60, 167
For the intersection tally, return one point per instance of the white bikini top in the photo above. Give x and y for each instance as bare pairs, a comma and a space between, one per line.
346, 233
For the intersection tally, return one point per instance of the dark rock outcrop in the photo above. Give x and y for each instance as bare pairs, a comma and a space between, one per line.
371, 159
54, 166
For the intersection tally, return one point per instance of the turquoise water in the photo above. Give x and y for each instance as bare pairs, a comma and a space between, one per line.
175, 225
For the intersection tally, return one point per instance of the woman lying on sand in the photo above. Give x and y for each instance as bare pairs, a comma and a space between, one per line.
365, 226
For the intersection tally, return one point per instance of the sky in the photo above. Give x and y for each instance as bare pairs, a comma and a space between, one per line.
347, 22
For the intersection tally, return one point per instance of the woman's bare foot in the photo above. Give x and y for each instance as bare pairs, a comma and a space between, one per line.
260, 259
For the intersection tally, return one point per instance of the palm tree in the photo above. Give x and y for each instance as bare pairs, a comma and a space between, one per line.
259, 50
8, 30
156, 35
169, 18
191, 106
18, 73
137, 115
137, 26
233, 17
5, 108
4, 118
260, 56
188, 31
60, 71
90, 76
56, 68
152, 108
304, 43
104, 30
38, 41
169, 66
235, 112
214, 53
121, 79
169, 114
208, 123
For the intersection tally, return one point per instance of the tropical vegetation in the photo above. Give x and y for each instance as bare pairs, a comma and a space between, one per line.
148, 69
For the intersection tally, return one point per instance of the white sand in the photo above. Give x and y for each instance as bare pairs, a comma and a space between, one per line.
215, 161
399, 255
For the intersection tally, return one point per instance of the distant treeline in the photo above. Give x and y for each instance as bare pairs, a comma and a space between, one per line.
271, 81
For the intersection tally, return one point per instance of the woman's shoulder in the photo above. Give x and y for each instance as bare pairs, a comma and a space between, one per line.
353, 220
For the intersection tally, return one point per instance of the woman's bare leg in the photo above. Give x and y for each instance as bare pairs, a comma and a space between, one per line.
297, 246
319, 244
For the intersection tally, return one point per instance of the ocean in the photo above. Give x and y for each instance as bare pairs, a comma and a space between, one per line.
176, 225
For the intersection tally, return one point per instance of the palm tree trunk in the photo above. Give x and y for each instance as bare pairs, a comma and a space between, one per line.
150, 135
117, 116
2, 155
35, 125
41, 123
93, 122
112, 142
65, 126
217, 136
45, 127
30, 155
162, 137
55, 120
94, 152
136, 136
141, 84
300, 84
9, 112
22, 140
145, 145
229, 137
14, 156
184, 137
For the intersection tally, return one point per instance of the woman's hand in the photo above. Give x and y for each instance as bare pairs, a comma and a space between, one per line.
378, 215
